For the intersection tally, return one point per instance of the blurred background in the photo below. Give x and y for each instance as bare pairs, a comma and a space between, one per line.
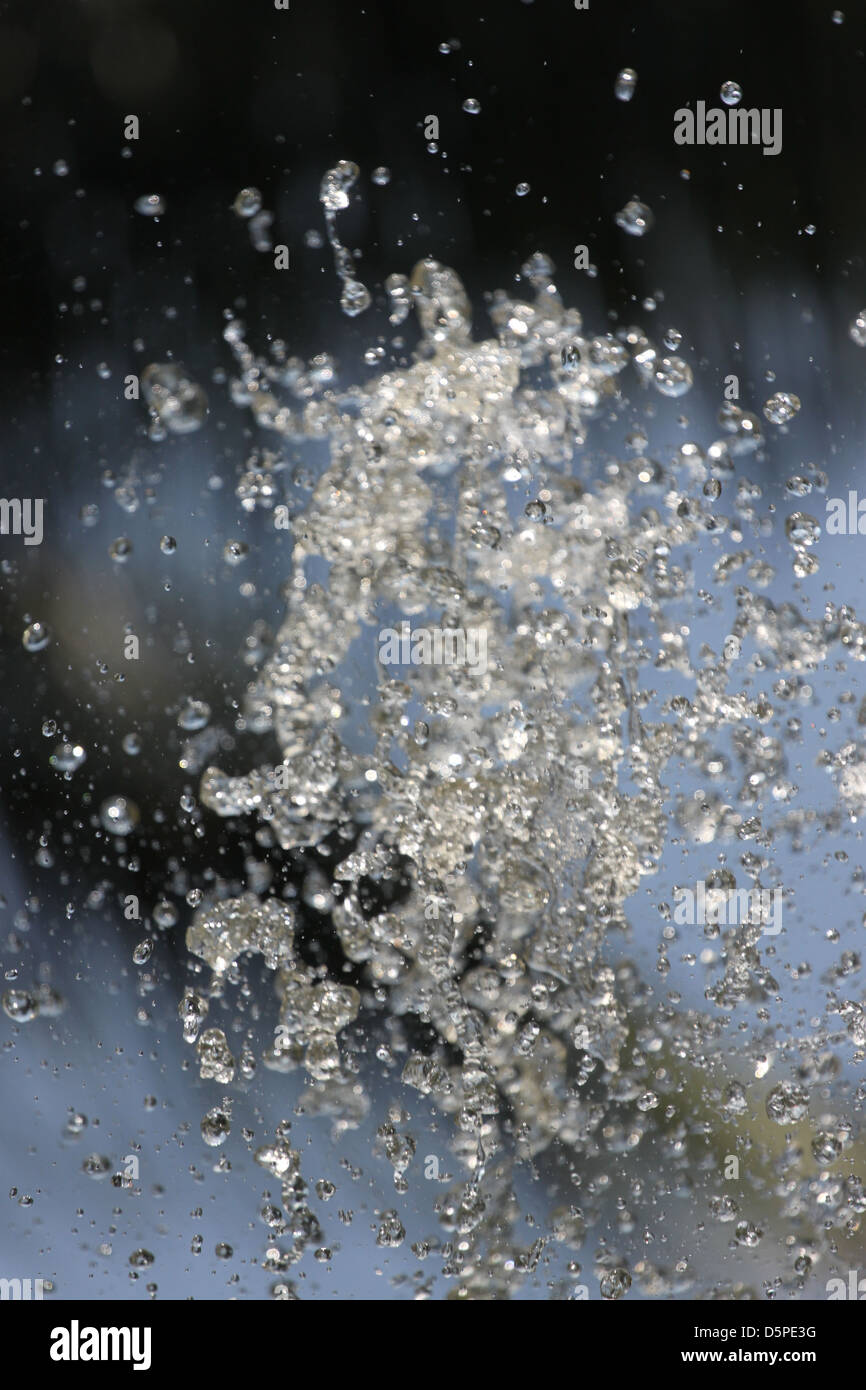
757, 261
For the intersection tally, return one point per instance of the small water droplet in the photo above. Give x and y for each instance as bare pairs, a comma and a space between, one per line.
118, 815
731, 93
150, 205
36, 637
781, 407
247, 203
625, 84
635, 218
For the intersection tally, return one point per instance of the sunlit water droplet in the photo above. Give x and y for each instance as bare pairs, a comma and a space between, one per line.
625, 84
635, 218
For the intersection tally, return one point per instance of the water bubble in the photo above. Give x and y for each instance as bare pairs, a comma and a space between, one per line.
60, 168
141, 1259
381, 176
168, 545
36, 637
247, 203
142, 951
119, 815
472, 106
635, 218
150, 205
625, 84
522, 189
731, 93
781, 407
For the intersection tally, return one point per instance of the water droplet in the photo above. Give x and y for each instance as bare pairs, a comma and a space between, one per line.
781, 407
673, 376
381, 176
615, 1284
96, 1166
177, 404
625, 84
215, 1127
355, 298
142, 952
168, 545
36, 637
472, 106
235, 552
67, 756
522, 189
118, 815
247, 203
787, 1103
731, 93
802, 529
857, 330
150, 205
635, 218
20, 1005
337, 184
195, 714
120, 550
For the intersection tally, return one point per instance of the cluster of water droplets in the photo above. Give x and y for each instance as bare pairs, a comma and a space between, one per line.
488, 826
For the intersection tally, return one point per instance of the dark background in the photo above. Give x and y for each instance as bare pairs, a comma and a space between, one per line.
230, 94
